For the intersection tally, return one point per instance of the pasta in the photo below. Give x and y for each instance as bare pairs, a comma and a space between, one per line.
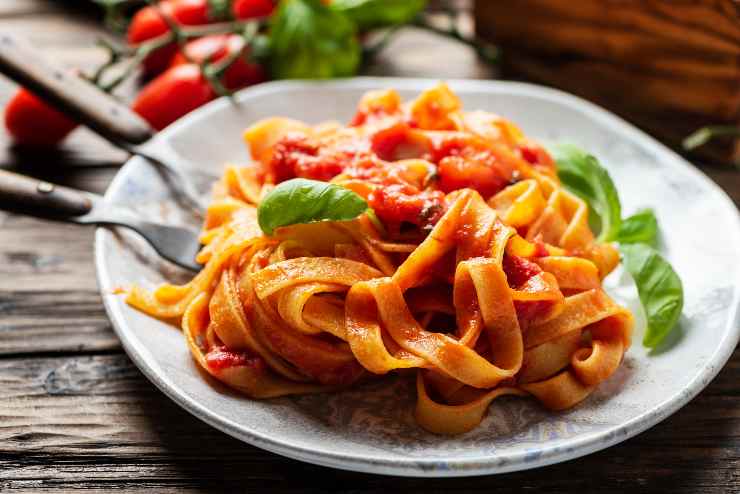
476, 271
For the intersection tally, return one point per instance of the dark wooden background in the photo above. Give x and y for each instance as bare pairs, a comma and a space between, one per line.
75, 414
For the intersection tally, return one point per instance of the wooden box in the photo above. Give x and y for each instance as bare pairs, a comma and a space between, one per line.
670, 66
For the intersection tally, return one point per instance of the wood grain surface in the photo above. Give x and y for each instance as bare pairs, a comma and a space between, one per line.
76, 415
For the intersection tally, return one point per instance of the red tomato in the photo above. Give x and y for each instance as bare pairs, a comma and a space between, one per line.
31, 121
248, 9
217, 47
148, 24
396, 204
172, 94
519, 270
220, 358
294, 156
535, 154
520, 273
460, 172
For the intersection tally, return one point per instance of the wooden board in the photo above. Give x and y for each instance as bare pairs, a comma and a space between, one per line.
669, 66
75, 414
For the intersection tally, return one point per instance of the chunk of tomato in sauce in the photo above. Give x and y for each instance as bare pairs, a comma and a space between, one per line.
296, 156
519, 274
464, 162
221, 358
534, 154
288, 154
519, 270
458, 172
385, 141
399, 203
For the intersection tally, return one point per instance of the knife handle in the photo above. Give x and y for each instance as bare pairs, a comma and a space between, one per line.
39, 198
74, 96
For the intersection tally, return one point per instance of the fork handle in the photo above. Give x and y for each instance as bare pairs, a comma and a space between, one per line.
40, 198
71, 94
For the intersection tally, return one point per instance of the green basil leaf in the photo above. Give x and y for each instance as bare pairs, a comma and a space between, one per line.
310, 41
373, 14
582, 174
641, 227
659, 287
306, 201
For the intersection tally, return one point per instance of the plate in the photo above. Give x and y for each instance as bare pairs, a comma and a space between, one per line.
371, 429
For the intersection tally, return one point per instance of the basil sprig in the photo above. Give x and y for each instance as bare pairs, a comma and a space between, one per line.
581, 173
658, 286
314, 39
641, 227
372, 14
306, 201
308, 40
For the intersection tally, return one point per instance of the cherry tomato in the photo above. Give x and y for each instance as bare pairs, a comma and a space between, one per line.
172, 94
248, 9
31, 121
217, 47
148, 23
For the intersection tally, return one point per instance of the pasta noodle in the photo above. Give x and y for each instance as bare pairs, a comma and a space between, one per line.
481, 275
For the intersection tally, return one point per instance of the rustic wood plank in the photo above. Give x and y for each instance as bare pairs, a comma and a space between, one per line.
36, 321
44, 255
93, 422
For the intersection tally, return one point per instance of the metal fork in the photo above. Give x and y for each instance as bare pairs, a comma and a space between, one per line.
105, 116
38, 198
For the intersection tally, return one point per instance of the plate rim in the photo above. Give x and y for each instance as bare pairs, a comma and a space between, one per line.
579, 446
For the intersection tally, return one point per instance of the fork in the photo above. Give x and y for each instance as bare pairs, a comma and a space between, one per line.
38, 198
104, 115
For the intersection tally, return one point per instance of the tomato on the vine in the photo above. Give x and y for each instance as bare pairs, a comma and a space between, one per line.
148, 23
217, 47
32, 122
172, 94
249, 9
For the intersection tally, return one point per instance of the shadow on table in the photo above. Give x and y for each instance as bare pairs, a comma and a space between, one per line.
688, 450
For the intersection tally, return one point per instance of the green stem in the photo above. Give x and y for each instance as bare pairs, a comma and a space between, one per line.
144, 49
248, 34
114, 56
706, 134
214, 71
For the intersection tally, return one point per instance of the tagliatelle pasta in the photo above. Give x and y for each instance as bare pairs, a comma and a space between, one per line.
475, 270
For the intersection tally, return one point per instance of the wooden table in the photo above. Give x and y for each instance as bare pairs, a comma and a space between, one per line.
76, 414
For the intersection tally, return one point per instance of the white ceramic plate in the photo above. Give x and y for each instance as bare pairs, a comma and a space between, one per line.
371, 429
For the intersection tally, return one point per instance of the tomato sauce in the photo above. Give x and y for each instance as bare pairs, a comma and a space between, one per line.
519, 270
396, 204
522, 275
534, 154
530, 311
457, 160
221, 358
